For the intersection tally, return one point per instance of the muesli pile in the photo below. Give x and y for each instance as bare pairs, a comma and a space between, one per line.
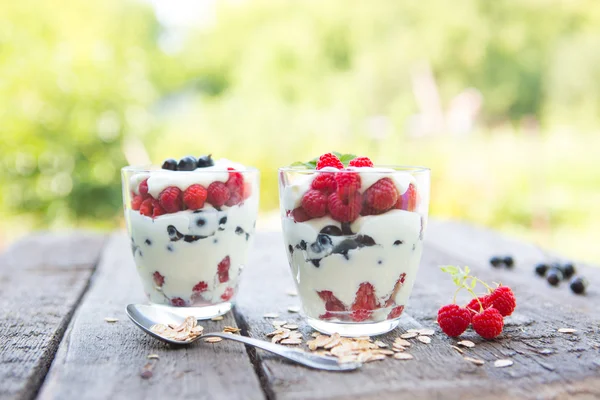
188, 330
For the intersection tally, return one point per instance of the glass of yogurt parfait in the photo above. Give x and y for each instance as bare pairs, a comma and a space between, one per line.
354, 238
191, 224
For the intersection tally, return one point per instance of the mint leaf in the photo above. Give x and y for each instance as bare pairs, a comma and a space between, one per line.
346, 158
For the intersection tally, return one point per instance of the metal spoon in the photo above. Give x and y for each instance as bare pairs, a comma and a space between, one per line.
144, 316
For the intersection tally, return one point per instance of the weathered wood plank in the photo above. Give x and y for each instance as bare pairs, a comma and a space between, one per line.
103, 360
42, 278
570, 370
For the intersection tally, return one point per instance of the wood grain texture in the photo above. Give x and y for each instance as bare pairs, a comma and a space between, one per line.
547, 364
100, 360
42, 278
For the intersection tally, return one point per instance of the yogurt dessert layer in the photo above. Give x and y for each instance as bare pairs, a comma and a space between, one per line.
354, 237
191, 224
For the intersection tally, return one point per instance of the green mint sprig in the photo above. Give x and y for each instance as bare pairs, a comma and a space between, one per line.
312, 164
464, 280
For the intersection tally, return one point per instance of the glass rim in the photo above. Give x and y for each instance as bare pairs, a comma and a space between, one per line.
154, 168
396, 168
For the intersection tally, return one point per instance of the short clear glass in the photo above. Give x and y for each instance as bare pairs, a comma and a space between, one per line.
190, 259
354, 264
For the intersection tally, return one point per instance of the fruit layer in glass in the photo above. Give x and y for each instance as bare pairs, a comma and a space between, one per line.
354, 239
191, 229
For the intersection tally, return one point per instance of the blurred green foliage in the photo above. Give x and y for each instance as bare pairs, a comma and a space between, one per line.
271, 82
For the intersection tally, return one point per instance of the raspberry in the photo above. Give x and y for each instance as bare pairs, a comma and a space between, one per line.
143, 188
159, 280
136, 202
157, 210
227, 294
453, 320
235, 184
364, 303
396, 312
170, 199
474, 306
332, 303
503, 300
391, 301
218, 194
408, 201
178, 302
361, 162
325, 182
329, 160
247, 190
200, 287
348, 184
314, 203
367, 210
488, 323
194, 197
382, 195
344, 211
223, 269
300, 215
146, 207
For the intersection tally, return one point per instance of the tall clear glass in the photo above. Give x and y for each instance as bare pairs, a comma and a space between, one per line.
354, 251
189, 252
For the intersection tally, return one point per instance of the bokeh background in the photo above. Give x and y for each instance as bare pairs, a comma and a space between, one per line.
501, 99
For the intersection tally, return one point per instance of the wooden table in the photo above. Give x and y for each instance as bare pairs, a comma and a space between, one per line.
56, 290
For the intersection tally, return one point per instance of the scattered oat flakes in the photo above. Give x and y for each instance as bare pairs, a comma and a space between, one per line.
402, 342
271, 315
153, 356
424, 339
292, 292
385, 352
290, 326
413, 330
567, 330
466, 343
502, 363
277, 323
213, 339
381, 344
184, 332
111, 320
315, 334
293, 309
403, 356
291, 341
231, 329
217, 318
409, 335
458, 349
426, 332
475, 361
367, 338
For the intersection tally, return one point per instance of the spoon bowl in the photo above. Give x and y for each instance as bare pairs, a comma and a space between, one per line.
145, 316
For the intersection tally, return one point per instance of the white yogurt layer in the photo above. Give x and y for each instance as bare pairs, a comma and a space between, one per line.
292, 194
397, 250
183, 263
160, 179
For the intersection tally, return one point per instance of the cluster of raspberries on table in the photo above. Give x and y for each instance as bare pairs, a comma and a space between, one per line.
172, 199
485, 313
338, 193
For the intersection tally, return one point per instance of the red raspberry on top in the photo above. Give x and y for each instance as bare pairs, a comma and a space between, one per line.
314, 203
368, 210
300, 215
344, 211
474, 306
146, 207
218, 194
361, 162
348, 183
408, 201
364, 303
157, 209
194, 197
136, 202
329, 160
325, 182
503, 300
453, 320
143, 188
170, 199
382, 195
223, 269
488, 323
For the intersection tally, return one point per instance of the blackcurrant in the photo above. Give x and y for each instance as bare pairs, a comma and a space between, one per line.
578, 285
541, 269
495, 261
554, 276
205, 161
170, 164
187, 163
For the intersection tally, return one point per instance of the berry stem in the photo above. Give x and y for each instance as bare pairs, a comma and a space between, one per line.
476, 297
456, 293
483, 283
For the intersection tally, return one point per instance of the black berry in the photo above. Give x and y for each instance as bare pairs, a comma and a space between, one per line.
554, 276
495, 261
541, 269
170, 164
205, 161
578, 285
187, 163
509, 262
568, 270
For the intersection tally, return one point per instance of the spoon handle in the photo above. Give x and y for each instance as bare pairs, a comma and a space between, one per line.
299, 356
